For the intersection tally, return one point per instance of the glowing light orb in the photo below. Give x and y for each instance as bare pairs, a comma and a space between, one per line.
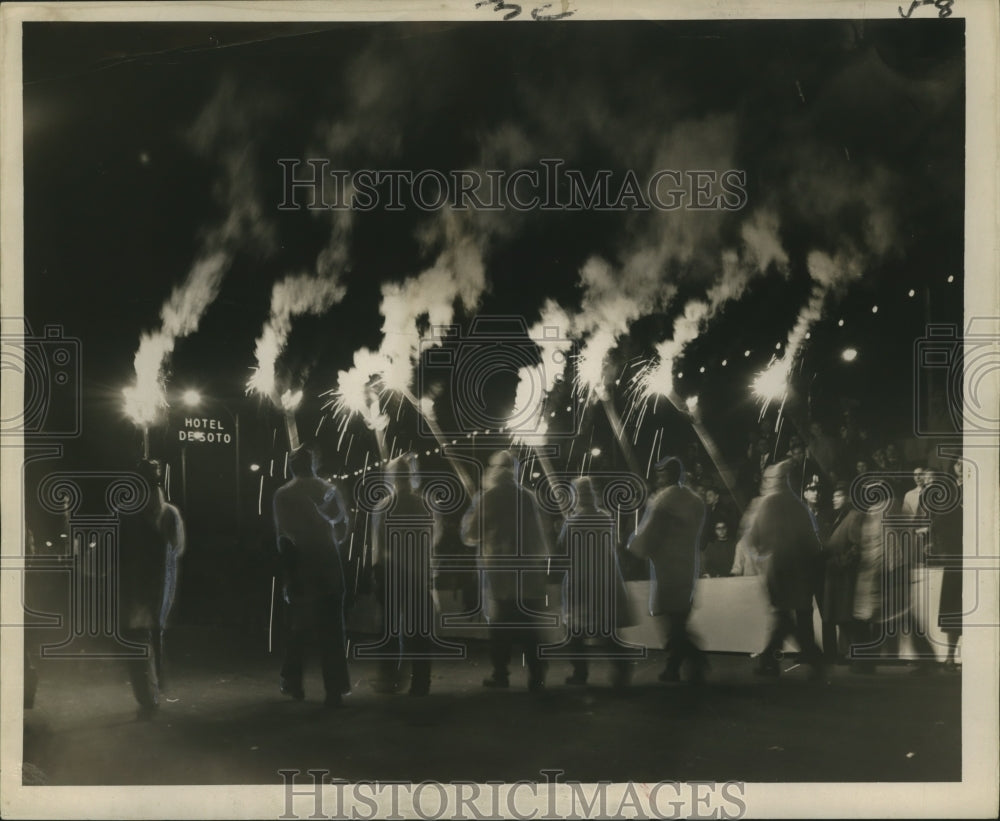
772, 382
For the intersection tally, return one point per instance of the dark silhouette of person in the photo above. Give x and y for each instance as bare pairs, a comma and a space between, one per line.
311, 521
151, 543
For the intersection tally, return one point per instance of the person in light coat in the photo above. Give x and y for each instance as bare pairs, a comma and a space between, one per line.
784, 529
505, 522
669, 536
402, 570
595, 599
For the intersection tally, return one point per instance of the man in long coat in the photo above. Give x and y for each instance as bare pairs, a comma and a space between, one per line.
151, 543
310, 520
669, 536
785, 530
595, 599
402, 569
504, 521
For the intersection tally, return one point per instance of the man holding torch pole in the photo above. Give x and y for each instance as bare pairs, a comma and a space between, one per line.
669, 536
311, 521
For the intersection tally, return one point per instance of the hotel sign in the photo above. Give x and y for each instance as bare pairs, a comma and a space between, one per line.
204, 429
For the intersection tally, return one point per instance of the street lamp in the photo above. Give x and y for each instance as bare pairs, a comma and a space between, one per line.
849, 354
192, 398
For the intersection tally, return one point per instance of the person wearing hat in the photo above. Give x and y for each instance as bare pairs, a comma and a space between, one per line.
783, 528
669, 536
310, 522
504, 521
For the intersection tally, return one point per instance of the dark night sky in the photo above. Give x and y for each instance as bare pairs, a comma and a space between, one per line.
142, 139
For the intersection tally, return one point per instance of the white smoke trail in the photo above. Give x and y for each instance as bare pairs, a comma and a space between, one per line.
294, 296
761, 248
179, 317
220, 133
830, 275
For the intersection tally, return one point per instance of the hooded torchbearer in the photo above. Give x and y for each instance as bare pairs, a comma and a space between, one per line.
402, 531
595, 599
505, 522
784, 530
669, 536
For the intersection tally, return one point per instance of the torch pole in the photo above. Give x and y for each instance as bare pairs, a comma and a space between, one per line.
547, 469
293, 430
707, 442
270, 621
619, 430
439, 438
145, 441
380, 439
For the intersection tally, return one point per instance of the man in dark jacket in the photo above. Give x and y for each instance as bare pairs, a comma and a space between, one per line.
669, 536
841, 552
720, 552
310, 521
783, 528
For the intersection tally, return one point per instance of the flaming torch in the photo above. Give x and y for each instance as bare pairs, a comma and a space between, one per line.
527, 421
290, 401
771, 384
356, 395
591, 384
144, 402
656, 379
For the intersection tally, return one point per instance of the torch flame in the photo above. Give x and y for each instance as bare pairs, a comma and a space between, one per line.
590, 365
290, 400
144, 402
771, 383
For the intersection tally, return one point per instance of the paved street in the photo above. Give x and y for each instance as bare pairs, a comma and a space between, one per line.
223, 721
